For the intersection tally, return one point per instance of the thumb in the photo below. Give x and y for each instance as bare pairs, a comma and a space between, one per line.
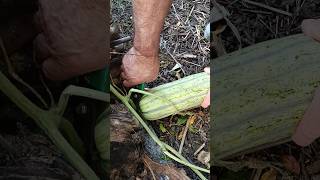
128, 83
206, 101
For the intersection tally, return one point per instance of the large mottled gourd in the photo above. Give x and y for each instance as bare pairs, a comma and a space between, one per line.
260, 93
171, 98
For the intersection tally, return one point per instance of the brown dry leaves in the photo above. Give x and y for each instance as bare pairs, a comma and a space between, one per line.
291, 164
158, 170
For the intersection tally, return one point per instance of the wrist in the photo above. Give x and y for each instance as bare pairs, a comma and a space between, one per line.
147, 50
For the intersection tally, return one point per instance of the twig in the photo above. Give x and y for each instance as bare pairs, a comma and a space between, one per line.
199, 149
191, 63
256, 12
121, 40
148, 165
184, 134
268, 7
175, 60
229, 23
175, 12
189, 14
263, 23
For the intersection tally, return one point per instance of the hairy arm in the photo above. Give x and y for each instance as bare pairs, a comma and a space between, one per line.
149, 16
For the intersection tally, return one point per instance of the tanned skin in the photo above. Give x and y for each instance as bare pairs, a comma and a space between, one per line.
141, 62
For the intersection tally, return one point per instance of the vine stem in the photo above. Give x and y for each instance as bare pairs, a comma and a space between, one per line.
177, 156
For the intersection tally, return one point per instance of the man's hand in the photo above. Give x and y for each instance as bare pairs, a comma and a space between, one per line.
137, 68
206, 101
311, 28
309, 127
73, 37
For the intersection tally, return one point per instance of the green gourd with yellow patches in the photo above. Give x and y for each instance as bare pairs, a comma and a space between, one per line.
171, 98
260, 93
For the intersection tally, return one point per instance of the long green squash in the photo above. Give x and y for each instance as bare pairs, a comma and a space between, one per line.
176, 96
260, 93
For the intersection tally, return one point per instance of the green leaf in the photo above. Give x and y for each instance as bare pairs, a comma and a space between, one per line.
192, 129
162, 128
182, 120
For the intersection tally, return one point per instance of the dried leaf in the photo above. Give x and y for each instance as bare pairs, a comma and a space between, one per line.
157, 170
204, 158
314, 168
192, 119
291, 164
269, 175
180, 134
175, 67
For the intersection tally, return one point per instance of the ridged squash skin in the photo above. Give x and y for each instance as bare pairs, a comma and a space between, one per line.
171, 98
260, 93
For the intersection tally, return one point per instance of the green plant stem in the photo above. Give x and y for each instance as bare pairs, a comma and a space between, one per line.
46, 120
184, 159
185, 163
124, 100
68, 131
79, 91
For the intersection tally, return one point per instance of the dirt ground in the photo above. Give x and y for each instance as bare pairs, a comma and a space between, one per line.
256, 24
183, 44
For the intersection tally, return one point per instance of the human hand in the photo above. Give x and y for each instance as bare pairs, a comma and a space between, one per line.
309, 127
73, 39
311, 28
137, 68
206, 101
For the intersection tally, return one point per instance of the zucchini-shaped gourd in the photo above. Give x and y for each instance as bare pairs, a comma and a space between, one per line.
171, 98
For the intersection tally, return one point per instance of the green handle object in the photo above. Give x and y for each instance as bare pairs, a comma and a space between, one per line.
99, 80
141, 86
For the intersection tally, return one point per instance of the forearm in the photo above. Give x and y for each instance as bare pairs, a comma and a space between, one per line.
149, 16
